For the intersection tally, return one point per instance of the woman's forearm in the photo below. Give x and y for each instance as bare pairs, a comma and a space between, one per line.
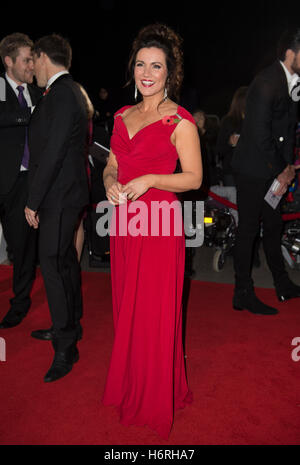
110, 176
177, 182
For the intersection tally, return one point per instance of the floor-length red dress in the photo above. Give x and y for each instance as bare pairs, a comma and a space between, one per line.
146, 378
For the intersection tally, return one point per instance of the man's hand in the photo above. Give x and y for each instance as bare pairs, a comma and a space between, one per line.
285, 178
32, 218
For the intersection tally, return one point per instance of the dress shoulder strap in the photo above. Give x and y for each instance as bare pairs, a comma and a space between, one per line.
121, 111
182, 113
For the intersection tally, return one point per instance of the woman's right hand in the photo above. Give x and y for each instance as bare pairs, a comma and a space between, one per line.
113, 189
114, 194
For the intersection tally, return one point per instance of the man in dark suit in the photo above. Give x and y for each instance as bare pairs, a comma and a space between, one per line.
265, 152
17, 97
58, 191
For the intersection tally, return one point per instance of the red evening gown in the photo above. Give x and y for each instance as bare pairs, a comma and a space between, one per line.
146, 379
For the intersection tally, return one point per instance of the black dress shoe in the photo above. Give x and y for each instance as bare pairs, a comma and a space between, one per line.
288, 291
9, 324
12, 319
47, 334
245, 299
62, 365
44, 334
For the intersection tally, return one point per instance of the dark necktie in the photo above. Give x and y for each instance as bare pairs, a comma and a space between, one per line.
23, 104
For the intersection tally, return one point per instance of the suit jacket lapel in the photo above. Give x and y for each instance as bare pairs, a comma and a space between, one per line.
34, 95
282, 78
10, 94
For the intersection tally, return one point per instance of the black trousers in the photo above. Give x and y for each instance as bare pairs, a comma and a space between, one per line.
22, 242
61, 272
252, 209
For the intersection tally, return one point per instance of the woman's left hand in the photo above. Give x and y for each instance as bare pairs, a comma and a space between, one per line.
137, 187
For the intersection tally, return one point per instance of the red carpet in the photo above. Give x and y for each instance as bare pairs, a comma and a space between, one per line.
246, 385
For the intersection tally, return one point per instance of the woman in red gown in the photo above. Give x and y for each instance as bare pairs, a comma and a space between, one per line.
146, 378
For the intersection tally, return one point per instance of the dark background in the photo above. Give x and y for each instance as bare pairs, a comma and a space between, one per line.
225, 44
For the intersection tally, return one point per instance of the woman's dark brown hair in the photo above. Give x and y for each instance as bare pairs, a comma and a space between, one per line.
163, 37
238, 103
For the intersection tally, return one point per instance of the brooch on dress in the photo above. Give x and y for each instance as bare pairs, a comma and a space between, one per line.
169, 120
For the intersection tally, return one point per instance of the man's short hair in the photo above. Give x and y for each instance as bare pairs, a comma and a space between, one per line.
56, 47
9, 45
290, 39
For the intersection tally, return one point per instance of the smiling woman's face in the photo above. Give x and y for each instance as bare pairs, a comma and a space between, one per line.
150, 71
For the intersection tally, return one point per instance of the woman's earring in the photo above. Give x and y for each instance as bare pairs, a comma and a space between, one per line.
165, 94
135, 92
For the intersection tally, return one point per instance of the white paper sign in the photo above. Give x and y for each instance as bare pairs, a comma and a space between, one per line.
270, 197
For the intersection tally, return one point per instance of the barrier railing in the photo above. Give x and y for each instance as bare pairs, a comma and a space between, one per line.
222, 200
